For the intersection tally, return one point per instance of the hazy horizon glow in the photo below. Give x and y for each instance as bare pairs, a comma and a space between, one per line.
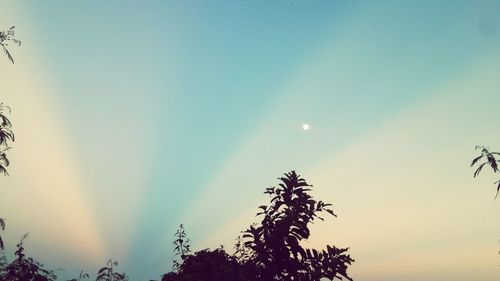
132, 118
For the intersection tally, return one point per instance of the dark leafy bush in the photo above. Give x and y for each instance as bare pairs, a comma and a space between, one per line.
25, 268
209, 265
271, 250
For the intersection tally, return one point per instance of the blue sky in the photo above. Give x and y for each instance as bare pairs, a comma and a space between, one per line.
145, 115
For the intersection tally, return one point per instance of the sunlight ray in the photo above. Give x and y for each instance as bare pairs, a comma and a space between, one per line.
44, 194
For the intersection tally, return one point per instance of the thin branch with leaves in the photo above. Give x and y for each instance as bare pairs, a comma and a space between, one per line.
6, 137
6, 37
182, 247
489, 159
108, 273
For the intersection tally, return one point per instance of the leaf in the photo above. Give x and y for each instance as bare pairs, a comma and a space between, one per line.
474, 161
493, 162
331, 212
478, 170
18, 42
3, 170
498, 188
315, 253
8, 54
4, 159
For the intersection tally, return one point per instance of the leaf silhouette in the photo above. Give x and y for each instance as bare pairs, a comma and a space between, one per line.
498, 188
490, 160
8, 54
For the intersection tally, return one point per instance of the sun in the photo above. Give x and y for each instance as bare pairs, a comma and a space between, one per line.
305, 127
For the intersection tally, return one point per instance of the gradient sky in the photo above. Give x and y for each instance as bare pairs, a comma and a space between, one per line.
134, 117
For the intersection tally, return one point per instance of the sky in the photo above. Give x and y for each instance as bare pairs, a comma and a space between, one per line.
134, 117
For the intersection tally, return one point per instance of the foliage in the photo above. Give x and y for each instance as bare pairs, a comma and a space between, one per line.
241, 253
207, 265
489, 157
6, 133
108, 272
202, 265
182, 247
6, 136
271, 250
5, 38
25, 268
275, 244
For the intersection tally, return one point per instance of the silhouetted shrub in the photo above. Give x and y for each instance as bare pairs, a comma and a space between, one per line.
108, 272
207, 265
271, 250
24, 268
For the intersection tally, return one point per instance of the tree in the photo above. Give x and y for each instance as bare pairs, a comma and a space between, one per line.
489, 159
25, 268
270, 250
275, 246
5, 38
108, 273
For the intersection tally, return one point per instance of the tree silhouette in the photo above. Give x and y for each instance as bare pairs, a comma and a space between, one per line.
6, 136
275, 246
25, 269
270, 250
108, 272
489, 159
5, 38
